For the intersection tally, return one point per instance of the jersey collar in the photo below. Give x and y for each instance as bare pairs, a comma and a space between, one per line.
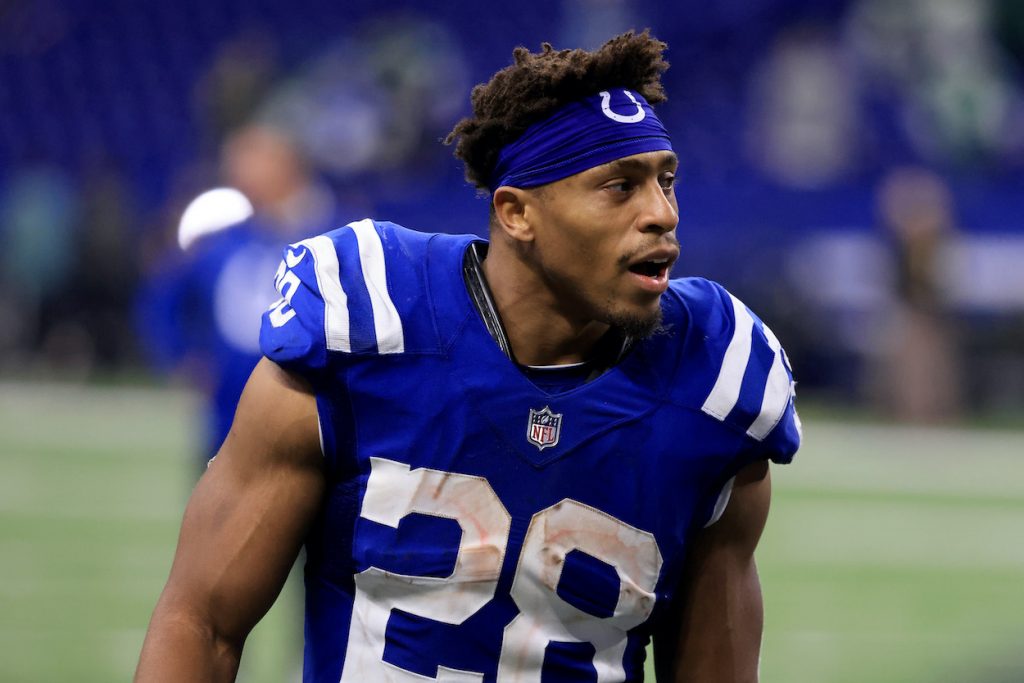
608, 352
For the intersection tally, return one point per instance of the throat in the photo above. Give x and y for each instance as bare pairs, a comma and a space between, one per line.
604, 354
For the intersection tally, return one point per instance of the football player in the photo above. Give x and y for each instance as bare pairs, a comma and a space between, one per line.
514, 460
199, 310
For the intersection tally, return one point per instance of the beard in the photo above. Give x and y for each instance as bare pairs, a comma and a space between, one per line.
636, 325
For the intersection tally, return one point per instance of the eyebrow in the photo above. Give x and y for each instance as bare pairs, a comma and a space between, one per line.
630, 164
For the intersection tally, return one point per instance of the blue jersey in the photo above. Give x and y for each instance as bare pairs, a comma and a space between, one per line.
205, 308
479, 528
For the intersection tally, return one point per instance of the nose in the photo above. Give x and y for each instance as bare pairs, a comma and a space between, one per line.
659, 213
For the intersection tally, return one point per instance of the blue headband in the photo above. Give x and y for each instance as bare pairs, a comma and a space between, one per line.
581, 135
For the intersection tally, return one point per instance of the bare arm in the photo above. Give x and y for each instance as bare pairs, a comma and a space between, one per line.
718, 636
242, 530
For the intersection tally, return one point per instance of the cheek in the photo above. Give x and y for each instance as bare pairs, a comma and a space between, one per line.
566, 247
591, 261
578, 244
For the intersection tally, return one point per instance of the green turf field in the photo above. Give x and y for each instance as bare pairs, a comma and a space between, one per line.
893, 555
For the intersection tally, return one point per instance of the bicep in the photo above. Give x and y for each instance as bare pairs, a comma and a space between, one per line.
247, 517
716, 635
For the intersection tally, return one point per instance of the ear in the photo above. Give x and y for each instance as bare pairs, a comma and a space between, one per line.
510, 213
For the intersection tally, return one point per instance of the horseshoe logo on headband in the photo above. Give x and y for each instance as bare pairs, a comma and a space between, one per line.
606, 98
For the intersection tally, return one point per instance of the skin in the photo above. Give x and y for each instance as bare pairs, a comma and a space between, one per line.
241, 532
717, 636
558, 259
559, 271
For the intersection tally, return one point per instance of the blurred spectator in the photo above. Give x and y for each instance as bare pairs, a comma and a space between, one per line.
939, 65
242, 74
266, 165
107, 274
804, 111
200, 312
919, 373
38, 216
377, 100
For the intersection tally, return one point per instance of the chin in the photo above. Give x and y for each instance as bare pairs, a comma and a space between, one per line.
639, 325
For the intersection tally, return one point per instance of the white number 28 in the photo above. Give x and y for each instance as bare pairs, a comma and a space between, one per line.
395, 491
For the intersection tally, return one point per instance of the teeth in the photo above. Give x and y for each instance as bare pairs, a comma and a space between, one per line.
659, 261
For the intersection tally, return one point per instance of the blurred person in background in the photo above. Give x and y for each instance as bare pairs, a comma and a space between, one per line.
507, 460
796, 135
67, 272
243, 74
952, 92
39, 213
199, 313
918, 375
102, 296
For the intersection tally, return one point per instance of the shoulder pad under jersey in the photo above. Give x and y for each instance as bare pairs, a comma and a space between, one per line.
354, 291
747, 381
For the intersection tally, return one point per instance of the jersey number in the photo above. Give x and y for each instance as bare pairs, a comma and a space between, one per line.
287, 284
395, 491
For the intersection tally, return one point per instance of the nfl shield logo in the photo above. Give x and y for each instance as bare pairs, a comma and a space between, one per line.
544, 428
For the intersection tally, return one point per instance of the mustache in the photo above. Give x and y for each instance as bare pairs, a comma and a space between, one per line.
666, 240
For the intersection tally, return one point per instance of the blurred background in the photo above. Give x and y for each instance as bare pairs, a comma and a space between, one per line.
852, 169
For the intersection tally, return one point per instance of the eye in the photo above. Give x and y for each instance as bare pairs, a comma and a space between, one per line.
619, 185
667, 181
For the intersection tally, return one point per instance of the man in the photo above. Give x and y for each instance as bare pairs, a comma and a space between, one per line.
198, 314
501, 458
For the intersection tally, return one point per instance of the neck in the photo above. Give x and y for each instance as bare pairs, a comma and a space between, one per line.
540, 328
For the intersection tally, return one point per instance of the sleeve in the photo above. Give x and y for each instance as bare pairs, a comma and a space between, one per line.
335, 301
748, 386
293, 330
754, 389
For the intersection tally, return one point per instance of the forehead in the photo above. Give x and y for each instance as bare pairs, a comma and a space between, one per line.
645, 162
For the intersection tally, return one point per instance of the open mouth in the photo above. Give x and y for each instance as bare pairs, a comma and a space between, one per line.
655, 268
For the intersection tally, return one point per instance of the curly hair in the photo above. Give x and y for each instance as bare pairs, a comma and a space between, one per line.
536, 84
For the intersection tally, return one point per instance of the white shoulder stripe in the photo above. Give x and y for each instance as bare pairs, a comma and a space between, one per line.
386, 323
726, 391
328, 279
777, 393
773, 342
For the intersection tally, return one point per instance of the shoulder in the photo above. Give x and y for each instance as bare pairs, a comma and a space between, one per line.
355, 291
700, 304
736, 370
